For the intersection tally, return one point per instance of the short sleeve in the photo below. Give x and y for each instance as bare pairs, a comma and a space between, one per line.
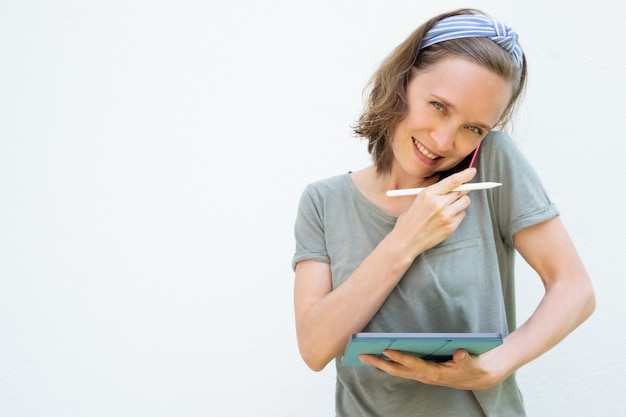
309, 229
522, 200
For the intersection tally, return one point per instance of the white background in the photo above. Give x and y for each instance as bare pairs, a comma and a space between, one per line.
152, 154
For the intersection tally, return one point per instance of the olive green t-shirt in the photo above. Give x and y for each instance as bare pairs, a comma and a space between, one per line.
463, 284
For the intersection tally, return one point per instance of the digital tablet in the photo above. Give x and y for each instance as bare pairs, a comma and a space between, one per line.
429, 346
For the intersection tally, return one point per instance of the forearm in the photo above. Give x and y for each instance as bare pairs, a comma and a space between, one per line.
565, 305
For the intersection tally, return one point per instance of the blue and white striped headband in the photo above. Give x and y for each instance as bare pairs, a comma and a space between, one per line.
475, 26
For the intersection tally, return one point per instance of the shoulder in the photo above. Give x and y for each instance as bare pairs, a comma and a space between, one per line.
328, 186
498, 141
498, 151
317, 195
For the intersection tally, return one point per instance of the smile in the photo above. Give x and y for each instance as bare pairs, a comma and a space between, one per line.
423, 150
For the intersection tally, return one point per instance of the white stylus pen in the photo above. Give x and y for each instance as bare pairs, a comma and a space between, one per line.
465, 187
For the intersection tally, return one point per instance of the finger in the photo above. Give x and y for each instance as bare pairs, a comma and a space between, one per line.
413, 362
374, 360
450, 183
386, 365
454, 196
461, 203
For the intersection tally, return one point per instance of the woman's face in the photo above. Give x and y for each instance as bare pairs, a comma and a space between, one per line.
452, 105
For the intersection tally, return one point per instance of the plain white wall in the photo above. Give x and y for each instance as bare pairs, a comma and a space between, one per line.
152, 154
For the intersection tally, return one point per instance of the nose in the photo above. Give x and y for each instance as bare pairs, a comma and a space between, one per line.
443, 135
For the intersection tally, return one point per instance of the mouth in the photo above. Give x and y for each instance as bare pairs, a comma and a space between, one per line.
424, 151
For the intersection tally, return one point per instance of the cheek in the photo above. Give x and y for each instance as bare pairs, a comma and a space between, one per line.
401, 132
418, 116
467, 145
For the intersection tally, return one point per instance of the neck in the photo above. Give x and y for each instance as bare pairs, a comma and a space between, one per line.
395, 180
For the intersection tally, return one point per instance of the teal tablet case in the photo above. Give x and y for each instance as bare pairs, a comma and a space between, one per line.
429, 346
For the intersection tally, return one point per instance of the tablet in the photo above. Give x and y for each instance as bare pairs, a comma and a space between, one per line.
429, 346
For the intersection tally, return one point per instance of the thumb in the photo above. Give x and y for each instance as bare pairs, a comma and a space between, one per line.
460, 355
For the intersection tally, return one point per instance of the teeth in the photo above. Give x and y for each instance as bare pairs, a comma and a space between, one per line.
423, 150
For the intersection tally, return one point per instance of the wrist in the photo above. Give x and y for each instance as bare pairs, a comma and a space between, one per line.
402, 251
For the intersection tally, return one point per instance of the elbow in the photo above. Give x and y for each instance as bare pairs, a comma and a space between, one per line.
590, 300
313, 358
584, 297
314, 362
315, 366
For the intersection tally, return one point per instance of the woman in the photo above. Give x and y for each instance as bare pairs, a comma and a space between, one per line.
436, 262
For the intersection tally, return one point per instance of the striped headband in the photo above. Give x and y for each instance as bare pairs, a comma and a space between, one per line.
475, 26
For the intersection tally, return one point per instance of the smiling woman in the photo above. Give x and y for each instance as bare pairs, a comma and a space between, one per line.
387, 102
437, 262
451, 107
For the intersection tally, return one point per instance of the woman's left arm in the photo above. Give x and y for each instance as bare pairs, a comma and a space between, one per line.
568, 300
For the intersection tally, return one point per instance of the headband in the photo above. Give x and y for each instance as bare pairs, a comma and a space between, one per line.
475, 26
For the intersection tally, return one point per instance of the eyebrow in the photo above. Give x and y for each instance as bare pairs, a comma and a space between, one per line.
450, 105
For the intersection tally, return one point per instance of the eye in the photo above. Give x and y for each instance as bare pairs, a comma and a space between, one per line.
437, 105
475, 129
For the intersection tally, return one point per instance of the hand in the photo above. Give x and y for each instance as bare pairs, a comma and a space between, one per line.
435, 213
464, 371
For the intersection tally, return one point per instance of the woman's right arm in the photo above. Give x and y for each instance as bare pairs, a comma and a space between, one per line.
326, 318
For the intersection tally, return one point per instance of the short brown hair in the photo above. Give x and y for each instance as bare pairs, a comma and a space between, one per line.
385, 101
